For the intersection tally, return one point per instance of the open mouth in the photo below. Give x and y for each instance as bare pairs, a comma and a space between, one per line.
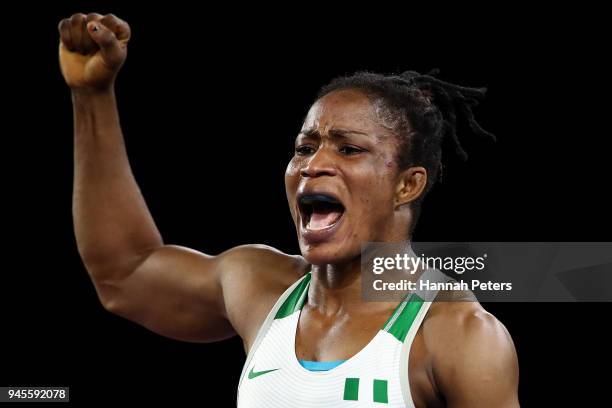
319, 211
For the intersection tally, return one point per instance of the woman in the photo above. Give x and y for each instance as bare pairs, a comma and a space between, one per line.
367, 153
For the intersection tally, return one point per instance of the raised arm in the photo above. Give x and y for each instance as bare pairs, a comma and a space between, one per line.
175, 291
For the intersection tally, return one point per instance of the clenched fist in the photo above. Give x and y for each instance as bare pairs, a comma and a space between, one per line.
92, 49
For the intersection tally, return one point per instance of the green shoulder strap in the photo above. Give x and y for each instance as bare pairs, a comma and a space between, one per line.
296, 299
400, 321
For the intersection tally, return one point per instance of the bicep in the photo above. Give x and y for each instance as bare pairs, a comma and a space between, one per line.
176, 292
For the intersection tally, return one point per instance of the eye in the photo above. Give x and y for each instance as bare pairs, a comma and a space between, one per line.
350, 150
304, 150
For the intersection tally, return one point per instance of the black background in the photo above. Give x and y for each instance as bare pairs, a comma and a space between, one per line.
210, 102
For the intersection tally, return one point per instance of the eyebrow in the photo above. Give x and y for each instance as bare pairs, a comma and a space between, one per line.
334, 133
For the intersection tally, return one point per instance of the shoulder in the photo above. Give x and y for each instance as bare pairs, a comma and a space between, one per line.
261, 263
465, 318
253, 277
474, 361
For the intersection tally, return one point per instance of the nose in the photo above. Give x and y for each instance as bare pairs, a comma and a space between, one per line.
321, 163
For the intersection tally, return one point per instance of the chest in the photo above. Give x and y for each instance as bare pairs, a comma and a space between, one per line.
273, 377
321, 340
337, 338
381, 364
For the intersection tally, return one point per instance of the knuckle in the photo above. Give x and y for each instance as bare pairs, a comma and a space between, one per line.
93, 17
110, 18
77, 18
62, 24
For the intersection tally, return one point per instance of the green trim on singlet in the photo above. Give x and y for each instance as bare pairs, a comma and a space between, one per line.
399, 323
296, 299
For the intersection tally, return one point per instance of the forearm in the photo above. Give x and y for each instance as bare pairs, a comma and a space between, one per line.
113, 226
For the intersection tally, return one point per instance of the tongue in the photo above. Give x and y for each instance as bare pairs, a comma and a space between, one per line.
323, 218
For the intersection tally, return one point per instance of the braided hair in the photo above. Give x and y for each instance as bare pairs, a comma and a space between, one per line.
423, 111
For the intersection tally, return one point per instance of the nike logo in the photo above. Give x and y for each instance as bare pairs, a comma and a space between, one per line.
253, 374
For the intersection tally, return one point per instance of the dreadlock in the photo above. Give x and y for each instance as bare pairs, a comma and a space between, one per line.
423, 111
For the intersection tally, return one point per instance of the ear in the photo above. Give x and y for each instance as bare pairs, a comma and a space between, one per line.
410, 185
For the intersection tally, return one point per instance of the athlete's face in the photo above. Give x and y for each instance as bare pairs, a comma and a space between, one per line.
342, 180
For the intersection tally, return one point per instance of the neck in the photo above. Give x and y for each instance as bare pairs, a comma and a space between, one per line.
335, 288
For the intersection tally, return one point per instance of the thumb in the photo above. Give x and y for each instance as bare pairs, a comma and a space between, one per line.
112, 51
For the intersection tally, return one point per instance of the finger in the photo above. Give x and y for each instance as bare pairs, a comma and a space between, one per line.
116, 25
110, 48
64, 30
102, 35
76, 32
88, 44
92, 17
